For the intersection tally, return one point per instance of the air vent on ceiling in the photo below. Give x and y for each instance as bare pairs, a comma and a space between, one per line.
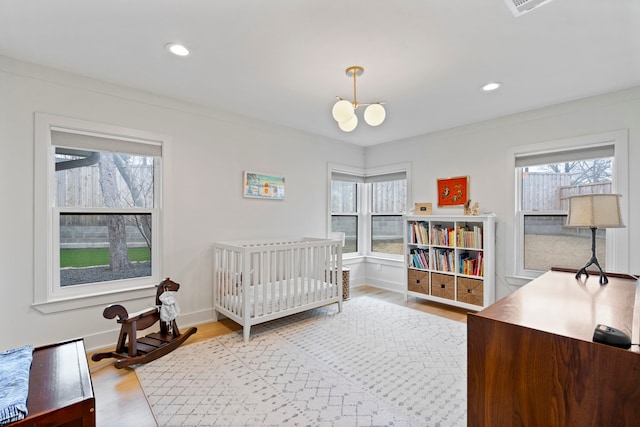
519, 7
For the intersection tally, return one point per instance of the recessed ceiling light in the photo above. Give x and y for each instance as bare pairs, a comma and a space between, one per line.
491, 86
177, 49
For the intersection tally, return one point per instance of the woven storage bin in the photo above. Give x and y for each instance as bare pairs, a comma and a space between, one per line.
346, 279
346, 285
470, 291
418, 281
443, 286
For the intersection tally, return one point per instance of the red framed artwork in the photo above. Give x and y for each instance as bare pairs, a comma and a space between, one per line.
453, 191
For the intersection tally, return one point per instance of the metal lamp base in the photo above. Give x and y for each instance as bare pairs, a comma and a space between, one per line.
593, 260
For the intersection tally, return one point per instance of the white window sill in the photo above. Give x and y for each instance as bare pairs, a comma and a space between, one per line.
78, 302
517, 281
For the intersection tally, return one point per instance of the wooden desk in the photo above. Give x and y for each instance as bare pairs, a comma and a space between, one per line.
532, 362
60, 389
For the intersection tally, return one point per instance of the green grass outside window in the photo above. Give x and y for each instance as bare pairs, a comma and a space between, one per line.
92, 257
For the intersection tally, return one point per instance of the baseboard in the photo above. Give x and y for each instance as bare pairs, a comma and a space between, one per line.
108, 339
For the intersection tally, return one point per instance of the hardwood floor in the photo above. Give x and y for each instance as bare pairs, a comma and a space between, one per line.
119, 397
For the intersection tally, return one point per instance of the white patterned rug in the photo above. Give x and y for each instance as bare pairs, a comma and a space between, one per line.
374, 364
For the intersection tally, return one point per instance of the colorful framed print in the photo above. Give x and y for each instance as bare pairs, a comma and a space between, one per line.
453, 191
263, 186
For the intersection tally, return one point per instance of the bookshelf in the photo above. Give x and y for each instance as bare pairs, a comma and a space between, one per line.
451, 259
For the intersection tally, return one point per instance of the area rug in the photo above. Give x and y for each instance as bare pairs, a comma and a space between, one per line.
374, 364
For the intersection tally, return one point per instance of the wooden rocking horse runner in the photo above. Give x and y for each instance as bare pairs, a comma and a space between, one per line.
141, 350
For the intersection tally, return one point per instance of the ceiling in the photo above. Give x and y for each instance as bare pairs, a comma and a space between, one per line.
284, 61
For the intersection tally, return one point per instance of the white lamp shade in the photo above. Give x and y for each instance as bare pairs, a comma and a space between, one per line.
595, 211
374, 114
349, 125
343, 111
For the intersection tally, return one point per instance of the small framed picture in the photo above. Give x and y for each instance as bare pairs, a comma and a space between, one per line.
422, 209
453, 191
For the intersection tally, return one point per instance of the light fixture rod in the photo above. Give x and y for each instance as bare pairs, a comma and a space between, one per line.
355, 98
355, 71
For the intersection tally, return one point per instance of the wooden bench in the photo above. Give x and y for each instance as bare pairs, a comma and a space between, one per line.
60, 389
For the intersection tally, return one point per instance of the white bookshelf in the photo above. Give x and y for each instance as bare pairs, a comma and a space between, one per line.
451, 259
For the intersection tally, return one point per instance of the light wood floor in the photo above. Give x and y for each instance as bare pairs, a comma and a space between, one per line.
119, 397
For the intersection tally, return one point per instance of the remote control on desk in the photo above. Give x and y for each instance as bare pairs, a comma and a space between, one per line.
611, 336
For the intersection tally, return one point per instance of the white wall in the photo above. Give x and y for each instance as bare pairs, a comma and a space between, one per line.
210, 151
481, 151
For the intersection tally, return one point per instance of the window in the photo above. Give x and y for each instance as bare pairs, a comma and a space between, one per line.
368, 207
546, 190
102, 217
344, 208
545, 181
388, 204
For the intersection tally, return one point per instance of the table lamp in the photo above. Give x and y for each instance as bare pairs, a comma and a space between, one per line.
594, 211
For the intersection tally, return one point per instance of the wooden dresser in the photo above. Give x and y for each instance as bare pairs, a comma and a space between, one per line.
532, 361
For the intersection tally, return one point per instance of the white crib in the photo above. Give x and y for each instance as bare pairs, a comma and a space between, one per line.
259, 281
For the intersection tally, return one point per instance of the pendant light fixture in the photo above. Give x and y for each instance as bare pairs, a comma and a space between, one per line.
344, 111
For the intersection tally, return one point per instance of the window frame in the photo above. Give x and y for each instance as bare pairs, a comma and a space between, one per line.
364, 204
370, 177
49, 296
617, 244
358, 175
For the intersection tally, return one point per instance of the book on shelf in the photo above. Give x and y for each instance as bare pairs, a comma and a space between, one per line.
443, 259
470, 264
419, 232
419, 258
441, 235
469, 238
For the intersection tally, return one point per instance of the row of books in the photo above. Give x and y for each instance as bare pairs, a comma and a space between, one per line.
442, 235
469, 238
443, 259
419, 258
470, 265
419, 232
463, 236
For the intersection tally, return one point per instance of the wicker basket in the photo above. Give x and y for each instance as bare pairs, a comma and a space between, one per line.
418, 281
470, 291
443, 286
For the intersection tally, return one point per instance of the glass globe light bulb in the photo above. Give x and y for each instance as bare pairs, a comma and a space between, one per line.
374, 114
343, 111
349, 125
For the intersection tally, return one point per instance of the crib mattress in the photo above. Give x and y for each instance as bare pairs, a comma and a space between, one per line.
279, 296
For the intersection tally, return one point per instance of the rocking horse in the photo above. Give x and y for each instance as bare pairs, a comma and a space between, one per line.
152, 346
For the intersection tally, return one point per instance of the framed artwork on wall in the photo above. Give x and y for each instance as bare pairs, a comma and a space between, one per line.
263, 186
453, 191
422, 209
